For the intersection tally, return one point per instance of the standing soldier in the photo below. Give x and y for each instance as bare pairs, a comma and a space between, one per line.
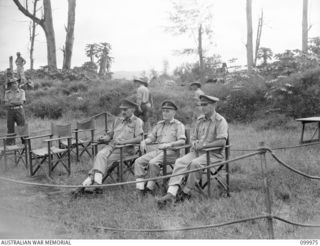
14, 99
168, 132
196, 88
125, 130
144, 102
20, 62
211, 131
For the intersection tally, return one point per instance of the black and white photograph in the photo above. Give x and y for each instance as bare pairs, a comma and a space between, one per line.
159, 120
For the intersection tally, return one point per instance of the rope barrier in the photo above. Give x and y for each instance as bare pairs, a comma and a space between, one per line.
278, 148
182, 228
293, 169
201, 227
130, 182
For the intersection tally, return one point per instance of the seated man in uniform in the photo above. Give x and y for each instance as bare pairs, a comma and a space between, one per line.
125, 130
168, 132
211, 130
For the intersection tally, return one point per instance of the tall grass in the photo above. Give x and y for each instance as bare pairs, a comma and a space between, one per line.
294, 197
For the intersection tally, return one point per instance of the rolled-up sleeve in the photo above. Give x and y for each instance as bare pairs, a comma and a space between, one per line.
181, 133
138, 128
222, 129
23, 96
153, 134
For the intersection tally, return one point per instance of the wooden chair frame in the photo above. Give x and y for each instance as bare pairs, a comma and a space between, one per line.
19, 152
211, 174
43, 154
77, 143
124, 164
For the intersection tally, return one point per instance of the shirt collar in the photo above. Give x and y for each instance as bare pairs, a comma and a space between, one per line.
129, 120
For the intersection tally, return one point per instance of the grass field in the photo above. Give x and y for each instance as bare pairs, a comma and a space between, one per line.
52, 213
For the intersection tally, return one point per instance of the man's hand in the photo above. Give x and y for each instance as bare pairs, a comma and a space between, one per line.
139, 109
198, 146
119, 142
143, 146
104, 139
165, 146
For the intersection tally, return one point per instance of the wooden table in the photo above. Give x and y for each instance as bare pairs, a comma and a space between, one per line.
304, 121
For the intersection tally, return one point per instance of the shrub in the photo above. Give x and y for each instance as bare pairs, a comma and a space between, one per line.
297, 95
47, 107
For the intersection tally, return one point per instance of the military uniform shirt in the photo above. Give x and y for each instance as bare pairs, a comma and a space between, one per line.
20, 61
209, 130
142, 95
17, 96
167, 132
125, 129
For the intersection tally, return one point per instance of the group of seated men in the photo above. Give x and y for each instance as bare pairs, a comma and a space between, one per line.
211, 130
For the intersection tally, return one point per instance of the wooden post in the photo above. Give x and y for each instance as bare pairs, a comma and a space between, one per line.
266, 190
77, 144
69, 157
121, 165
11, 64
30, 157
106, 121
49, 158
164, 169
302, 132
5, 154
208, 175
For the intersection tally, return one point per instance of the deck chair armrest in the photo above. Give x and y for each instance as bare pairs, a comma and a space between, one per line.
56, 139
12, 137
82, 130
216, 148
185, 146
125, 145
39, 136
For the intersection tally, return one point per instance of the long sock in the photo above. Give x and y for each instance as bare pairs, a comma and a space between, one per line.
140, 186
98, 178
87, 181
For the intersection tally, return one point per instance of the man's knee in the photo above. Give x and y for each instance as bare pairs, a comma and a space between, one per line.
195, 164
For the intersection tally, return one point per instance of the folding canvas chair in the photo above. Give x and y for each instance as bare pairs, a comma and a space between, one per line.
125, 163
52, 153
167, 166
17, 151
218, 173
82, 143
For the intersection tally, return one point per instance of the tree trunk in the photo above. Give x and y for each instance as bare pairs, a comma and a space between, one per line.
47, 25
200, 52
11, 64
249, 44
33, 26
259, 31
50, 36
305, 27
70, 34
103, 63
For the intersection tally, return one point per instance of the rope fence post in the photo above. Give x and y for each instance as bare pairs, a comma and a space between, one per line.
268, 201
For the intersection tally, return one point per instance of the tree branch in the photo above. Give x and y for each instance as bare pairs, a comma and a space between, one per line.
28, 14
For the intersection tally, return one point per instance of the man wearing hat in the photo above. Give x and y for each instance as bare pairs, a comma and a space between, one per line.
211, 130
144, 102
126, 129
167, 133
20, 62
196, 88
14, 98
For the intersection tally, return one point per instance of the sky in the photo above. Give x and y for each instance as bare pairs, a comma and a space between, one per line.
136, 31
